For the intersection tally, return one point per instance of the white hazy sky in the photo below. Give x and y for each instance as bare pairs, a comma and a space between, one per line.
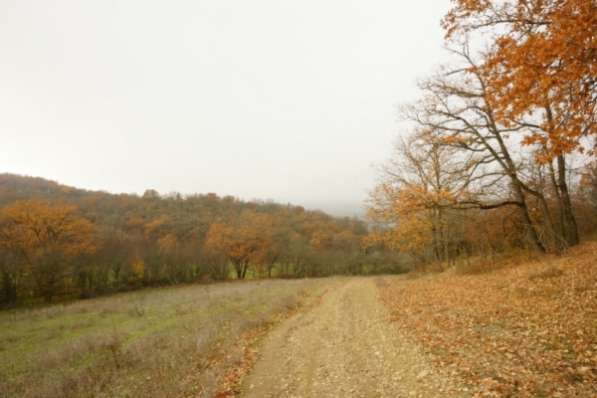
273, 99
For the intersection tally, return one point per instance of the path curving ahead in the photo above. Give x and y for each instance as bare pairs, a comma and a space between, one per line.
344, 347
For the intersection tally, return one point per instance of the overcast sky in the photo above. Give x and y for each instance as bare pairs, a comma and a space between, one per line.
293, 101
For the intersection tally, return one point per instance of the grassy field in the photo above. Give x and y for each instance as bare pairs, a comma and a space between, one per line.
157, 342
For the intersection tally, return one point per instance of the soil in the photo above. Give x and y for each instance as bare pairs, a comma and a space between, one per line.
344, 347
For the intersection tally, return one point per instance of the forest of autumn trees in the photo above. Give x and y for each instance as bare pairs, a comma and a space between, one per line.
58, 242
501, 152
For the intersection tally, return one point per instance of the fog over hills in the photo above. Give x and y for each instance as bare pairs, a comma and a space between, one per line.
285, 100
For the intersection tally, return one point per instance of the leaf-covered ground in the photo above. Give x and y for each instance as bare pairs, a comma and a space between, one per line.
525, 330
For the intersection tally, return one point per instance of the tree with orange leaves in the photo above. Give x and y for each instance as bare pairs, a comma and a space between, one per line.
244, 242
420, 184
43, 240
541, 71
543, 58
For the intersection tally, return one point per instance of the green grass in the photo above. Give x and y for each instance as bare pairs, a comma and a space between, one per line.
154, 342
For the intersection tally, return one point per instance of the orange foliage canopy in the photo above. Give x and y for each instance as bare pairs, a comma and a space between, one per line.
31, 228
408, 210
541, 68
245, 242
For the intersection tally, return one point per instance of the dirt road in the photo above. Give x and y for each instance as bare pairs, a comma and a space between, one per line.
343, 347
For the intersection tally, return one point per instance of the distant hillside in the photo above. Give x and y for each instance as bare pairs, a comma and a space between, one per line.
153, 239
98, 204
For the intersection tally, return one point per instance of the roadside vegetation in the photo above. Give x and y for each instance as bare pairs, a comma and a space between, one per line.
175, 341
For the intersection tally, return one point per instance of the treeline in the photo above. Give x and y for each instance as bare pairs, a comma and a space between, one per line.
501, 152
57, 241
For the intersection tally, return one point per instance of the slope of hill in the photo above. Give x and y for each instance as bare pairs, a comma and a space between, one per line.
127, 241
527, 330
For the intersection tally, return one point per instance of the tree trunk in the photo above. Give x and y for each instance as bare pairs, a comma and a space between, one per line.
555, 235
530, 226
561, 233
239, 270
9, 288
570, 227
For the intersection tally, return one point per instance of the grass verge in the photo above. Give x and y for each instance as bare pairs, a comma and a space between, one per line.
162, 342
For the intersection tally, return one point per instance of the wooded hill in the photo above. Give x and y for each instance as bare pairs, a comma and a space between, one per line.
60, 241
